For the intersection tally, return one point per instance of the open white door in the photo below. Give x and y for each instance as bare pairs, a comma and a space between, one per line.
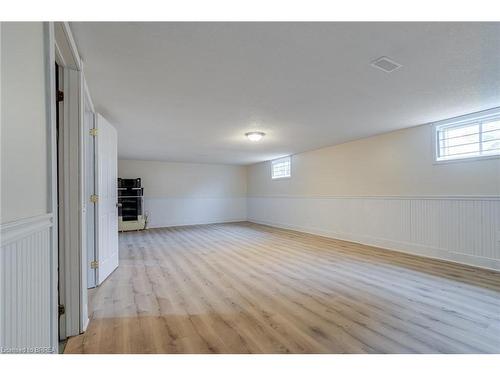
90, 186
107, 212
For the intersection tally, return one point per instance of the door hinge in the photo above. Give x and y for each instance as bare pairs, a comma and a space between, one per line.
60, 96
94, 198
94, 264
93, 132
62, 310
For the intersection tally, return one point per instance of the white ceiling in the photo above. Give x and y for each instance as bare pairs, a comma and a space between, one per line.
189, 91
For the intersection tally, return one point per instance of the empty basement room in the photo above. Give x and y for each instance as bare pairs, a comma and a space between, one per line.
250, 188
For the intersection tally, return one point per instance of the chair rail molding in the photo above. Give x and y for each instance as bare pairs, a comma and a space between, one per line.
12, 231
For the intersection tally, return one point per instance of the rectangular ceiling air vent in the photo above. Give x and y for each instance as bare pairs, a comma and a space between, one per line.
386, 64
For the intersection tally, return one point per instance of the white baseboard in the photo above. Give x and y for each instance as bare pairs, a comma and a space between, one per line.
85, 324
182, 224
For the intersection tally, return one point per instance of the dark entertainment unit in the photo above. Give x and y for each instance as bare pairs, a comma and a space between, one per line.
130, 204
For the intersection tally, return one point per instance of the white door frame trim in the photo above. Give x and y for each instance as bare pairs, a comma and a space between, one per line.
87, 95
52, 177
63, 46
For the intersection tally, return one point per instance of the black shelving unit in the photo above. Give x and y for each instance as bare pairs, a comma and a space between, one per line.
130, 199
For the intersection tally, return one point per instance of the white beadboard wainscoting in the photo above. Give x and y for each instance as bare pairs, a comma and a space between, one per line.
460, 229
26, 286
166, 212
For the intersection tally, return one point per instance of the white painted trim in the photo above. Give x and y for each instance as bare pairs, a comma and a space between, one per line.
83, 306
72, 201
50, 55
64, 51
383, 244
12, 231
88, 97
85, 324
74, 291
189, 224
72, 45
465, 160
59, 58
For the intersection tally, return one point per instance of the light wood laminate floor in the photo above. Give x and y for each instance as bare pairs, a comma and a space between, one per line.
248, 288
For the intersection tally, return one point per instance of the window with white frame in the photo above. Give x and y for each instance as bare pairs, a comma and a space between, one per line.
470, 136
281, 168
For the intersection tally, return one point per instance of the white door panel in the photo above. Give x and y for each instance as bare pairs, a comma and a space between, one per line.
107, 215
90, 189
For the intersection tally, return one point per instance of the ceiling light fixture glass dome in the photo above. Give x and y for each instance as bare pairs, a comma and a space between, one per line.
255, 136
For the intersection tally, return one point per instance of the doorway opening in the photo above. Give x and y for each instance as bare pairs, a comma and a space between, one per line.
85, 178
59, 102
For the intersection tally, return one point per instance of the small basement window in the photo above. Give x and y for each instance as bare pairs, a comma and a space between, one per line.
281, 168
472, 136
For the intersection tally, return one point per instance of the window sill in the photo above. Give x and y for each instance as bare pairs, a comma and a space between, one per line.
462, 160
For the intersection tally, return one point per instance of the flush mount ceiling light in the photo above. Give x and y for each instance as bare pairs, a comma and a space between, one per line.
255, 136
386, 64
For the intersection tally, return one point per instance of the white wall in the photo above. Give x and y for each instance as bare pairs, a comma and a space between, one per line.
27, 285
399, 163
187, 193
387, 191
24, 130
